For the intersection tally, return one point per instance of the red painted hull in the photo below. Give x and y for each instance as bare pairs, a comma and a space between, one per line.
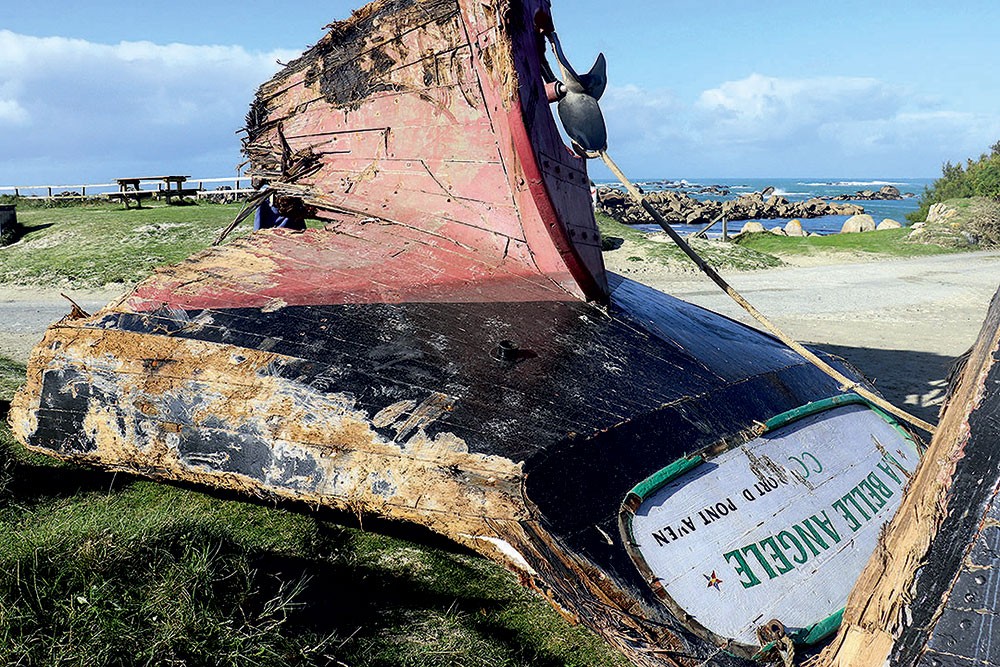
433, 117
448, 351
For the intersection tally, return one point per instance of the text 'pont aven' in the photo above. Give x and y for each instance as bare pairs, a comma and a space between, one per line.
796, 544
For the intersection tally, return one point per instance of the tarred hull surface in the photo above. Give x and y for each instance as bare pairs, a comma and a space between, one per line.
931, 592
408, 407
448, 351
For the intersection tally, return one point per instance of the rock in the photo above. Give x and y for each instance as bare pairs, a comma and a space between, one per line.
848, 209
940, 213
778, 231
886, 192
752, 228
858, 223
611, 198
815, 206
680, 207
794, 228
889, 223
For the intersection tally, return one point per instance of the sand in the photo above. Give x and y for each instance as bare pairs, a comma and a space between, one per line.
901, 322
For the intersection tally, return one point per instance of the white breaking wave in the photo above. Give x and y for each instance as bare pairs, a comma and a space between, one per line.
854, 184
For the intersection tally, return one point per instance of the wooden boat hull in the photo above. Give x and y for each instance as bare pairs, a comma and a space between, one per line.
449, 351
424, 412
929, 594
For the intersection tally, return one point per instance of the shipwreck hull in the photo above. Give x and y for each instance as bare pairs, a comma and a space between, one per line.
515, 427
929, 596
449, 351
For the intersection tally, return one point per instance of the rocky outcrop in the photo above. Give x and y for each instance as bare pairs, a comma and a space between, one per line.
858, 223
680, 208
885, 193
940, 213
889, 223
794, 228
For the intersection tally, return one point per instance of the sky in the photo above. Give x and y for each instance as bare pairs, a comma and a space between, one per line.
91, 91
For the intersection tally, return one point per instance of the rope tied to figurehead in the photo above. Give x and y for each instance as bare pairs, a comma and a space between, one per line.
846, 383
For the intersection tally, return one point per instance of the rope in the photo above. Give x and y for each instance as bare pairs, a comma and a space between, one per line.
845, 382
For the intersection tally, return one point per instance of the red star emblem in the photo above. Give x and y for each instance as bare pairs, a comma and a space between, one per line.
713, 581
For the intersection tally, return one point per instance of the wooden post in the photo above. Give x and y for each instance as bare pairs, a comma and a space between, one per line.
725, 229
50, 192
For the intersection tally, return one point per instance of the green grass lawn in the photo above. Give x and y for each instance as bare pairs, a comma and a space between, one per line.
101, 569
96, 244
885, 243
765, 250
637, 246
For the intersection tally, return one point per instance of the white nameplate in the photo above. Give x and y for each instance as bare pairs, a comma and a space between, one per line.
779, 528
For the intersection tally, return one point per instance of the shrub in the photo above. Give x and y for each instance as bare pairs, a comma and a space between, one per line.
979, 178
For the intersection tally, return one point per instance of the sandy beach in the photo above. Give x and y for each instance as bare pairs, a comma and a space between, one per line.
901, 322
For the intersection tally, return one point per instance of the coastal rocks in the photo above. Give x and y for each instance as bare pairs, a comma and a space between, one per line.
858, 223
973, 222
889, 223
940, 213
752, 228
794, 228
885, 193
681, 208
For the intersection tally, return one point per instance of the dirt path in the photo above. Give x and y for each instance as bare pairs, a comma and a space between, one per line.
25, 313
902, 322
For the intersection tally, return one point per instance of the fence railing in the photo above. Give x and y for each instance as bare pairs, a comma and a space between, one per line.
237, 185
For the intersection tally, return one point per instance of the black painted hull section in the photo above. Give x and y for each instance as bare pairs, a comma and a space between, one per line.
592, 401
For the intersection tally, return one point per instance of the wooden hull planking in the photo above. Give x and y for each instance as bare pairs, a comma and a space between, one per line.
449, 351
929, 594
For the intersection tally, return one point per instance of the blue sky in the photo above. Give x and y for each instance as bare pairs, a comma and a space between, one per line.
91, 91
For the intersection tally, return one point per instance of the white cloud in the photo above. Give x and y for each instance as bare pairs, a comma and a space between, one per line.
640, 121
111, 108
12, 113
783, 126
763, 108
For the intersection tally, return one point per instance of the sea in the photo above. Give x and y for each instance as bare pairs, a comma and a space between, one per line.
793, 189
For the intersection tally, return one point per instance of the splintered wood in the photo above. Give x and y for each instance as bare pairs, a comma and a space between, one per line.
882, 604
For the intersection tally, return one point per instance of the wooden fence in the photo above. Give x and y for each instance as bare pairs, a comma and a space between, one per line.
207, 187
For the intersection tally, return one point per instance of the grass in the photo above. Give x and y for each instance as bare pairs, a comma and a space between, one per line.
98, 569
637, 247
878, 244
92, 245
765, 250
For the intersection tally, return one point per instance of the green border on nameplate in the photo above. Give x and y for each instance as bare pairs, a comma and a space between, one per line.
806, 636
660, 479
815, 407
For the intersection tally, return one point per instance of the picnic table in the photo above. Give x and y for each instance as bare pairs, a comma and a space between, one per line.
167, 187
